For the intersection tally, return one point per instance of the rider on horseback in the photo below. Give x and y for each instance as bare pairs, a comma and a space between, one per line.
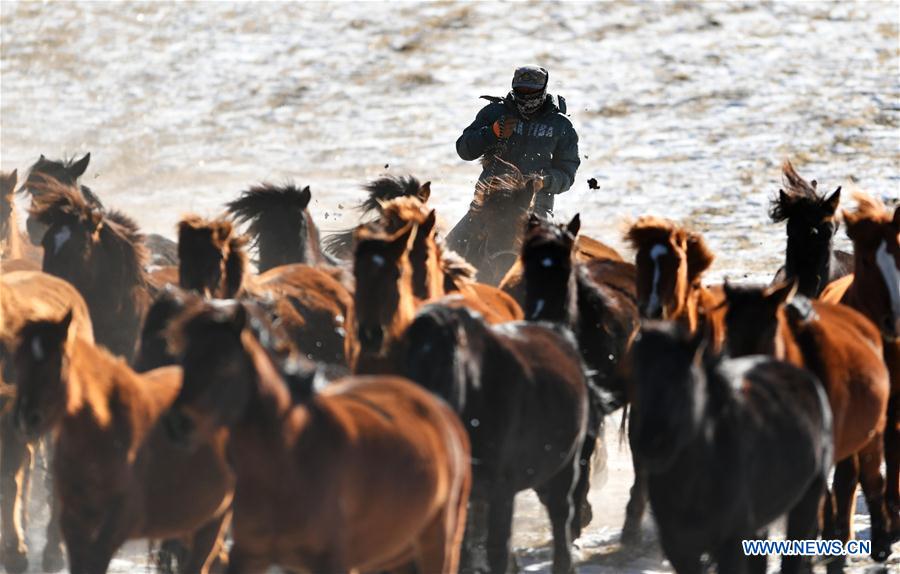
527, 130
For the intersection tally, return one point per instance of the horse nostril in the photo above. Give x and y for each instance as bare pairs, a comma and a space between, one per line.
371, 338
31, 421
178, 426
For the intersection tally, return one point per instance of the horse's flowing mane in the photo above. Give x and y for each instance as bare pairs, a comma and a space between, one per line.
387, 188
255, 203
649, 229
501, 188
867, 207
798, 195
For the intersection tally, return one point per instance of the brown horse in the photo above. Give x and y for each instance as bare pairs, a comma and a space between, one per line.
436, 270
670, 262
489, 234
26, 296
117, 476
379, 191
874, 291
843, 349
366, 475
102, 254
280, 224
13, 243
312, 302
385, 302
811, 226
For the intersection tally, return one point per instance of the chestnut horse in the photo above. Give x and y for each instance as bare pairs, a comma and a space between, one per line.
843, 349
24, 296
384, 300
13, 243
489, 234
714, 435
595, 299
117, 476
874, 290
280, 224
811, 226
670, 262
436, 270
311, 301
102, 254
379, 191
366, 475
521, 390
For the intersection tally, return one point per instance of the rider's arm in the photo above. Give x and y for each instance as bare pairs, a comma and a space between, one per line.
478, 137
565, 163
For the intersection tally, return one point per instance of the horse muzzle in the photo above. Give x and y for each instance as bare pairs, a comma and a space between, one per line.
29, 421
179, 427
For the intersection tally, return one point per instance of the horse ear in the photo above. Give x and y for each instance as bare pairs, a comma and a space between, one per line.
896, 220
79, 167
729, 290
305, 197
66, 321
533, 221
833, 201
14, 177
96, 220
575, 225
239, 320
781, 293
424, 192
783, 198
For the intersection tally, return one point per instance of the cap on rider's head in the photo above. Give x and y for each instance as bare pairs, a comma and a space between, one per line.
530, 78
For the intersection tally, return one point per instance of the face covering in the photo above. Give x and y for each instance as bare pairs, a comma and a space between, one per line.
528, 104
533, 79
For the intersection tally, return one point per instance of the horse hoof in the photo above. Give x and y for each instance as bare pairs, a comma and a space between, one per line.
15, 560
586, 514
53, 559
835, 566
631, 536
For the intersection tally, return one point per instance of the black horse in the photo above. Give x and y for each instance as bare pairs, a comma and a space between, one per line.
520, 390
811, 226
728, 446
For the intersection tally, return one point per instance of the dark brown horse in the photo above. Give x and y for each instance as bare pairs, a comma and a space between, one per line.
379, 191
874, 291
102, 254
521, 390
489, 234
595, 299
367, 475
670, 261
28, 296
312, 302
280, 225
13, 243
116, 474
714, 436
811, 226
844, 350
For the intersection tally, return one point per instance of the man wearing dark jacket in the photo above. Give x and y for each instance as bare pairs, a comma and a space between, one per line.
528, 129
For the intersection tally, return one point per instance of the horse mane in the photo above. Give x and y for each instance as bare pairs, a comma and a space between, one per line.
264, 201
457, 271
390, 187
797, 195
397, 212
118, 233
500, 188
652, 229
867, 207
222, 230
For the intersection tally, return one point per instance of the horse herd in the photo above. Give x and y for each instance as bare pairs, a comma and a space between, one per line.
361, 402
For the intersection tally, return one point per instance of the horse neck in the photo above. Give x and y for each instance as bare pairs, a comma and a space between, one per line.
811, 272
786, 345
12, 243
270, 399
428, 276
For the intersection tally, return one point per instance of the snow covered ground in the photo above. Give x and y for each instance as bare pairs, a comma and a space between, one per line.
684, 110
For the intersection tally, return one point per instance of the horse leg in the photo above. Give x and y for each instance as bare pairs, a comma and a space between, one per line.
846, 477
870, 458
585, 513
730, 557
684, 561
15, 459
206, 545
241, 561
499, 531
803, 525
556, 495
637, 505
892, 462
53, 558
472, 555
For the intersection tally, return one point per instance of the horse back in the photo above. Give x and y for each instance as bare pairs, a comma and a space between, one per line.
496, 305
587, 248
31, 295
